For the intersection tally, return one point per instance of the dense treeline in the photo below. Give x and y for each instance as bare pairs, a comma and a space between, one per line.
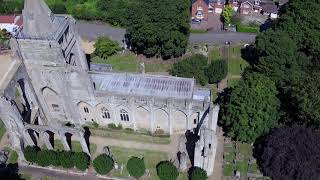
159, 28
286, 95
10, 7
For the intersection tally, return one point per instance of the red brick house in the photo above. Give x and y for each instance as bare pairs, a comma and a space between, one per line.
250, 7
201, 8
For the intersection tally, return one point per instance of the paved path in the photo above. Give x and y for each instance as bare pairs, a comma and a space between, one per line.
91, 31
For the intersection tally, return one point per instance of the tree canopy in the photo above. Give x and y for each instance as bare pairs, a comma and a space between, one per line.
30, 153
227, 14
252, 108
217, 71
290, 153
158, 28
167, 171
105, 47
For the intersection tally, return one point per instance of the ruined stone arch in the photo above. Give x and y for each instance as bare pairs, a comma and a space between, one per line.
142, 117
86, 111
32, 136
179, 119
52, 100
21, 99
194, 120
72, 59
104, 112
161, 120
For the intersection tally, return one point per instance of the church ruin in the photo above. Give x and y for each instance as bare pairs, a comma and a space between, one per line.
48, 91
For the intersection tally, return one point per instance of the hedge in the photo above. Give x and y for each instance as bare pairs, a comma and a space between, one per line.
167, 171
136, 167
103, 164
247, 29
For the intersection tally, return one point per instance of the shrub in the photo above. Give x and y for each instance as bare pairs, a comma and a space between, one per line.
53, 157
95, 124
105, 47
66, 160
198, 174
216, 71
119, 127
112, 126
129, 129
103, 164
30, 153
81, 160
43, 158
167, 171
136, 167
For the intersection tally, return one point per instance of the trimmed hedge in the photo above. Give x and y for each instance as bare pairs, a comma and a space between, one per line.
136, 167
167, 171
103, 164
30, 153
81, 160
198, 174
247, 28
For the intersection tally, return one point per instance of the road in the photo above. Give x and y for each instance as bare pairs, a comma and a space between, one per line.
91, 31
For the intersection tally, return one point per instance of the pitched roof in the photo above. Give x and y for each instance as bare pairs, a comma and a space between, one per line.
7, 19
270, 8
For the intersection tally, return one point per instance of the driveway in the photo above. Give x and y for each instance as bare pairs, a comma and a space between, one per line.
91, 31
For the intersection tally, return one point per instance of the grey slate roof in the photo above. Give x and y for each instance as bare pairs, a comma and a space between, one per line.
144, 85
270, 8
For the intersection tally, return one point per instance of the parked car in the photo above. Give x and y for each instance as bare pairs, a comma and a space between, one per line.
196, 21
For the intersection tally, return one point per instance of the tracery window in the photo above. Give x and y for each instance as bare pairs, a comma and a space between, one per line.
105, 113
124, 115
86, 109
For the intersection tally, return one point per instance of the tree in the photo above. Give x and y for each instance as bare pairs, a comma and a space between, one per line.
160, 28
30, 153
103, 164
136, 167
227, 14
66, 159
105, 47
198, 174
290, 153
81, 160
53, 158
167, 171
43, 158
252, 109
191, 67
216, 71
58, 7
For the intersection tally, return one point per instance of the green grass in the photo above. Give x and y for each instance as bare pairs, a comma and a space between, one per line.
236, 64
131, 136
214, 54
26, 176
228, 170
2, 129
120, 62
248, 28
151, 159
229, 157
245, 149
242, 166
233, 82
13, 158
158, 66
253, 168
75, 145
198, 31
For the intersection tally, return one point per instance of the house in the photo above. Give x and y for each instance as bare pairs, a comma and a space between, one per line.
11, 23
234, 4
250, 7
201, 8
270, 10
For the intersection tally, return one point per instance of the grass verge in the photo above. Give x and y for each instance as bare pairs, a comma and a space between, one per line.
75, 146
13, 157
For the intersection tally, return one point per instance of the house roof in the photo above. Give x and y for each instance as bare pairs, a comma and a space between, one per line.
270, 8
210, 1
11, 19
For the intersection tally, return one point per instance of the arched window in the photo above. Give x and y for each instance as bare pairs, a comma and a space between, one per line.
124, 115
105, 113
86, 109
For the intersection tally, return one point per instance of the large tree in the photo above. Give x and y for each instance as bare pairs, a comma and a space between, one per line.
159, 27
252, 108
290, 153
105, 47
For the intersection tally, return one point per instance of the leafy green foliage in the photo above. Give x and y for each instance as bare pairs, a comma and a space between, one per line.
216, 71
66, 160
227, 14
11, 7
160, 28
198, 174
105, 47
58, 7
81, 160
167, 171
136, 167
192, 67
43, 158
103, 164
252, 108
30, 153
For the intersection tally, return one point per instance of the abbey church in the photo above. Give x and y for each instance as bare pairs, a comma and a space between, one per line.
49, 90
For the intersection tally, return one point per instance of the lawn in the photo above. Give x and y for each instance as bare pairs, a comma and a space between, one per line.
2, 129
245, 149
131, 136
214, 54
158, 66
120, 62
151, 159
13, 157
236, 64
76, 146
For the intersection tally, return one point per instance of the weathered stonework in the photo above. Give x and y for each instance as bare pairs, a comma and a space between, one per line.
50, 92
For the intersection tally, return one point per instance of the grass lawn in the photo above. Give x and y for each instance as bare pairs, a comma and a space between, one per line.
151, 159
232, 82
236, 64
76, 146
228, 170
2, 129
242, 166
13, 157
131, 136
253, 168
229, 157
158, 66
26, 176
214, 54
120, 62
244, 149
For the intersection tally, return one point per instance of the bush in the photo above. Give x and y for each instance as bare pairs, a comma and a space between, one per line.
216, 71
167, 171
103, 164
81, 160
43, 158
105, 47
53, 157
136, 167
119, 127
30, 153
95, 124
129, 129
198, 174
66, 160
112, 126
